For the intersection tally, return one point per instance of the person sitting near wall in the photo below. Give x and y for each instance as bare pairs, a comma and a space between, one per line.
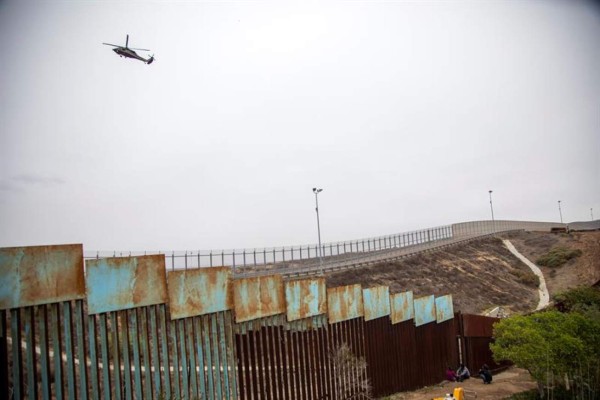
462, 373
450, 375
485, 374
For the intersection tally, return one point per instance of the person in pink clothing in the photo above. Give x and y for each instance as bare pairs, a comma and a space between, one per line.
450, 374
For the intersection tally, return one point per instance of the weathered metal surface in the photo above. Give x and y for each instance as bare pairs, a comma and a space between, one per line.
121, 283
424, 310
402, 357
40, 274
376, 302
344, 303
402, 307
199, 291
258, 297
305, 298
478, 325
444, 309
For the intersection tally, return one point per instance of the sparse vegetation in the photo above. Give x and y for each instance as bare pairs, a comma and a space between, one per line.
558, 256
351, 379
526, 278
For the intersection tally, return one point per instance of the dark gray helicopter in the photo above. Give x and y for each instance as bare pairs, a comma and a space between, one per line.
129, 52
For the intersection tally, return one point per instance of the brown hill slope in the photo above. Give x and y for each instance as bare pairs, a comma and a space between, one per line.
482, 274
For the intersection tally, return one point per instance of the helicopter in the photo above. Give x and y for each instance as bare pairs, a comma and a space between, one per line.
129, 52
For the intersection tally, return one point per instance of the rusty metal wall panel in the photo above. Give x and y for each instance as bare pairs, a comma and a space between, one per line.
258, 297
121, 283
444, 309
403, 357
344, 303
424, 310
376, 302
40, 274
305, 298
199, 291
478, 325
402, 307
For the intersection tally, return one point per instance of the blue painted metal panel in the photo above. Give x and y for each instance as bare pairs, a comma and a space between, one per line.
199, 291
402, 307
344, 303
424, 310
40, 275
376, 302
258, 297
305, 298
120, 283
444, 308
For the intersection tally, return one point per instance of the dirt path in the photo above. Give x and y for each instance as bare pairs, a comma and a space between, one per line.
542, 289
514, 380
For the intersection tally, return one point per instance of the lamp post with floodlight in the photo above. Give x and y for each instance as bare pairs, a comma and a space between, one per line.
316, 192
492, 208
560, 212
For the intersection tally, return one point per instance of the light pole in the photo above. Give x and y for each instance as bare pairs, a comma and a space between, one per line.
592, 213
560, 212
492, 208
316, 192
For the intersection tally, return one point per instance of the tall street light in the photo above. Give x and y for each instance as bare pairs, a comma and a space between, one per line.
316, 192
560, 212
592, 213
492, 208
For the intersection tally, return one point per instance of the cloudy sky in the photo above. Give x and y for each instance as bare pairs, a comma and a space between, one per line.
405, 113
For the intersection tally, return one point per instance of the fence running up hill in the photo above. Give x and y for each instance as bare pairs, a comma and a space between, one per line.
125, 328
296, 260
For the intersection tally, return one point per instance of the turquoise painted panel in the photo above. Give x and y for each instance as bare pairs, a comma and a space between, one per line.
344, 303
376, 302
402, 307
114, 284
305, 298
258, 297
40, 275
424, 310
199, 291
444, 308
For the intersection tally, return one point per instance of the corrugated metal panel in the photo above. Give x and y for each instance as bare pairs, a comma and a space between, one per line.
424, 310
258, 297
444, 309
344, 303
376, 302
199, 291
305, 298
402, 307
40, 274
121, 283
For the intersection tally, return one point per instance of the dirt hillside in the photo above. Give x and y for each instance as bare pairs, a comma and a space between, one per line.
483, 274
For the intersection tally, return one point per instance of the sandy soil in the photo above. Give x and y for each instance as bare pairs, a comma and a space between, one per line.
584, 270
514, 380
480, 275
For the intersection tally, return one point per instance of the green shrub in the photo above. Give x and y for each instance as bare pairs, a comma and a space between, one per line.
526, 278
558, 256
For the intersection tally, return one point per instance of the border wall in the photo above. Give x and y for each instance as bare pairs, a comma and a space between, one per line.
126, 328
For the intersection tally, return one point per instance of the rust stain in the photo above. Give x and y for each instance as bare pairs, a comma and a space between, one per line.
402, 308
305, 298
199, 291
344, 303
444, 308
258, 297
120, 283
41, 274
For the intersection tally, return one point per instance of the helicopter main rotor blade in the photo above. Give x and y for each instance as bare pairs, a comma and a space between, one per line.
113, 45
133, 48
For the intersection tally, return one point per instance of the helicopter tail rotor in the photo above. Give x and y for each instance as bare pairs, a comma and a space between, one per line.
150, 60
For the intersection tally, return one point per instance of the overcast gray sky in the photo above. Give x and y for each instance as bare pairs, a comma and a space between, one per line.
405, 113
